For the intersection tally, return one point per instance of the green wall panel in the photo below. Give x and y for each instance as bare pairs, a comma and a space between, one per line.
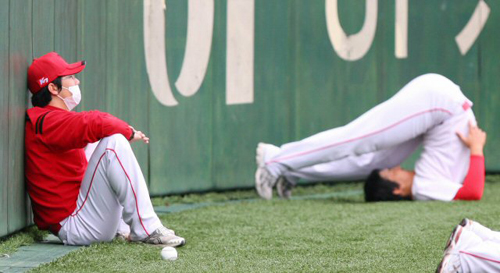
321, 95
19, 55
127, 67
93, 51
4, 117
273, 97
301, 85
180, 149
43, 27
487, 97
66, 29
119, 68
112, 55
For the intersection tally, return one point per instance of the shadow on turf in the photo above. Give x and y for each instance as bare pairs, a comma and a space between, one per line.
352, 200
344, 200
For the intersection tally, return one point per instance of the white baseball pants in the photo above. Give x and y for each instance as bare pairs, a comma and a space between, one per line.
428, 110
479, 251
355, 167
112, 189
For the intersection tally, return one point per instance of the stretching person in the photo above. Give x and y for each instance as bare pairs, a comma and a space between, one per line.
472, 247
430, 111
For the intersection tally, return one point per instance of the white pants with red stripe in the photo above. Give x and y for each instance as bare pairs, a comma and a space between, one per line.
355, 167
428, 111
479, 251
113, 192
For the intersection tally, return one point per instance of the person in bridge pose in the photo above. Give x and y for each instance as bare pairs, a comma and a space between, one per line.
430, 111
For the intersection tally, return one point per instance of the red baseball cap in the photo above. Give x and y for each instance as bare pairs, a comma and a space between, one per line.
47, 68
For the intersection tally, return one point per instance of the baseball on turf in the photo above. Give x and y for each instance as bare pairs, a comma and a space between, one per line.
169, 253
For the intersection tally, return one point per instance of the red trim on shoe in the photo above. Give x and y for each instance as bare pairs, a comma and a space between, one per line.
360, 137
479, 257
454, 237
130, 182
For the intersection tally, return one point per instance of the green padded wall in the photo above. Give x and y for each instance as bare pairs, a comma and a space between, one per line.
4, 119
300, 84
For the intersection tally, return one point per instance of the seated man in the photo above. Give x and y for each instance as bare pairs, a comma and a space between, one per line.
84, 202
472, 247
430, 111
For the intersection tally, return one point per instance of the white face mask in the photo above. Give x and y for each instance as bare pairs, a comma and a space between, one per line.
74, 100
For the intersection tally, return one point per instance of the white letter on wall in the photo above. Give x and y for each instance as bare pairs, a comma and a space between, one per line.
240, 51
198, 46
401, 29
466, 38
154, 45
353, 47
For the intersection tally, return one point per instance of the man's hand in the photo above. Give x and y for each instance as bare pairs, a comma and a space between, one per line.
475, 140
138, 135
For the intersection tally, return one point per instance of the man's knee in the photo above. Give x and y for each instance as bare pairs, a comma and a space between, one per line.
116, 140
119, 138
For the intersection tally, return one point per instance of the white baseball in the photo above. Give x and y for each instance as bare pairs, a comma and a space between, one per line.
169, 253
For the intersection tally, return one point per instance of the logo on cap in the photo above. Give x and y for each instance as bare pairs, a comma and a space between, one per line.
43, 81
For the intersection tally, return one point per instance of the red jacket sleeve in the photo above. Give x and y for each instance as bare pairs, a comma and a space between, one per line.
473, 186
71, 130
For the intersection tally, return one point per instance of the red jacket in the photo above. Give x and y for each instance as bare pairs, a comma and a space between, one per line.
55, 159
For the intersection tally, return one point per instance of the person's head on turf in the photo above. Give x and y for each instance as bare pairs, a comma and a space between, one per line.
52, 82
389, 185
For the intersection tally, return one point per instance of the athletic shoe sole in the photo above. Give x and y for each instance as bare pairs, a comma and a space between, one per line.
262, 185
177, 242
449, 257
449, 264
284, 188
454, 237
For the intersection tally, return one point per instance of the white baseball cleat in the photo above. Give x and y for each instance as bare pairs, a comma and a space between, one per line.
164, 237
264, 183
264, 180
466, 223
284, 188
264, 152
479, 230
454, 238
451, 261
122, 236
450, 264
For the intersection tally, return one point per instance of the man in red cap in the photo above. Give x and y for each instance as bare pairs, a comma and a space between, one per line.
84, 200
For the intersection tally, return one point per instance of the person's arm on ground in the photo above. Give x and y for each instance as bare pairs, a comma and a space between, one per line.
473, 186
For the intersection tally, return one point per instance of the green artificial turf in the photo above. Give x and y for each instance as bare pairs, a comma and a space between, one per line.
340, 234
